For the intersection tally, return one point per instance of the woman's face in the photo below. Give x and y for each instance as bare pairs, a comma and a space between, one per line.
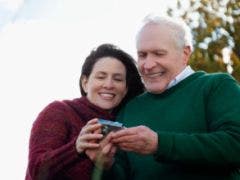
106, 85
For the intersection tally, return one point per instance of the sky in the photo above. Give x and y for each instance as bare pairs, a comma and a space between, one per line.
42, 47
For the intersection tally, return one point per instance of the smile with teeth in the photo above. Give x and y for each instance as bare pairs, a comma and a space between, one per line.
153, 75
107, 95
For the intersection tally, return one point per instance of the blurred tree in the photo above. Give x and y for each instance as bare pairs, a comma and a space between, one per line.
215, 26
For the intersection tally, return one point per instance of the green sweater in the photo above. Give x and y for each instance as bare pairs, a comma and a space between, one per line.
198, 126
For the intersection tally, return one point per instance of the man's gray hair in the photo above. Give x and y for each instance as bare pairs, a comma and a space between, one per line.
180, 31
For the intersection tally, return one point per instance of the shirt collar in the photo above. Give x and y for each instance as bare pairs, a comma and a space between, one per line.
181, 76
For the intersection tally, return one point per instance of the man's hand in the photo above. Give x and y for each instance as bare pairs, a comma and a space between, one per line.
139, 139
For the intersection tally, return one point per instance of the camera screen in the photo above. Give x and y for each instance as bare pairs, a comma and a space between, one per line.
108, 126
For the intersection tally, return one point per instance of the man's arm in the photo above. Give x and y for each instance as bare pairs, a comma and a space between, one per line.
219, 146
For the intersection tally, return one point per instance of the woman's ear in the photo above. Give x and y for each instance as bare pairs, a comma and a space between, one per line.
84, 81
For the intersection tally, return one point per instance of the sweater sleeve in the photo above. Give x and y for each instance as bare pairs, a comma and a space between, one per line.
50, 150
220, 146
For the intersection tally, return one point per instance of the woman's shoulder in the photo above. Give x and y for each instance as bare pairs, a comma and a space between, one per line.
61, 104
56, 105
56, 108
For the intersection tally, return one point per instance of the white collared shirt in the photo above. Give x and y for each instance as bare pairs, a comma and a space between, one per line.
181, 76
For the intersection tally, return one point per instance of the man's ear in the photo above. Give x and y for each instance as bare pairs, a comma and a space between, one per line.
186, 54
84, 81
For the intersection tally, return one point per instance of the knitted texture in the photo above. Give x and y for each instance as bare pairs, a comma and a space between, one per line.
52, 152
198, 126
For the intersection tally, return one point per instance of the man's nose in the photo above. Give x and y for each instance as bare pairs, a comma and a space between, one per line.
149, 63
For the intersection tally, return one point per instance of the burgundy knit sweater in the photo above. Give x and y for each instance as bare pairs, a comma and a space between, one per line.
52, 152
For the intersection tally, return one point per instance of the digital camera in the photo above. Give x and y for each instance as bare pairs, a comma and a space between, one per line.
108, 126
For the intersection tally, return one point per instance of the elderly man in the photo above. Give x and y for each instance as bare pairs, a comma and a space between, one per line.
187, 124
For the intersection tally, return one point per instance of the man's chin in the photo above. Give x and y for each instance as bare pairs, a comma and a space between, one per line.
156, 90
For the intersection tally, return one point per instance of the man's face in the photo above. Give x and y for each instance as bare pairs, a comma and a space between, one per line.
159, 58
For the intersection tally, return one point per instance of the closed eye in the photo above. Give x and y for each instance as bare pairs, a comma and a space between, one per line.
159, 53
119, 77
142, 54
100, 77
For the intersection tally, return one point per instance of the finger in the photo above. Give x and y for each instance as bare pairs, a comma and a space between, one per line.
113, 151
106, 149
106, 140
93, 121
126, 138
127, 149
124, 132
127, 145
94, 127
108, 137
89, 137
87, 145
82, 146
97, 131
90, 128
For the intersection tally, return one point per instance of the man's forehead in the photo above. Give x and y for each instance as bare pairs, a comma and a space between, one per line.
152, 29
154, 39
150, 46
151, 50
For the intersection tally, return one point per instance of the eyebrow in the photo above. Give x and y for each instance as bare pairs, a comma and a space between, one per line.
115, 74
152, 51
160, 50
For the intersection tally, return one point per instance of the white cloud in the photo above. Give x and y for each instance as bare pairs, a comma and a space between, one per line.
11, 5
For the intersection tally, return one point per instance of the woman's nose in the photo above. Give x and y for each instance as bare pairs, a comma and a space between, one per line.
108, 83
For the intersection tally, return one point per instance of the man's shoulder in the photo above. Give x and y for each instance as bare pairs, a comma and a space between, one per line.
209, 82
216, 77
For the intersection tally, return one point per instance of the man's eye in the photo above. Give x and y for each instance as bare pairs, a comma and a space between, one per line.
159, 53
142, 55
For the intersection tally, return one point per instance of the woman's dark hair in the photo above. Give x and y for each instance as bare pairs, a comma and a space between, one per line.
133, 79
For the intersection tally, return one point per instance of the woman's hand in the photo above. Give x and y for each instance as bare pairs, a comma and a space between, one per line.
89, 136
101, 152
103, 157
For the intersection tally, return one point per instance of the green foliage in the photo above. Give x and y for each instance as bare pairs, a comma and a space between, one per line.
215, 25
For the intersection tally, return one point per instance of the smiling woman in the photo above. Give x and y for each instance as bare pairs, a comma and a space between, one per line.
64, 138
106, 85
106, 63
